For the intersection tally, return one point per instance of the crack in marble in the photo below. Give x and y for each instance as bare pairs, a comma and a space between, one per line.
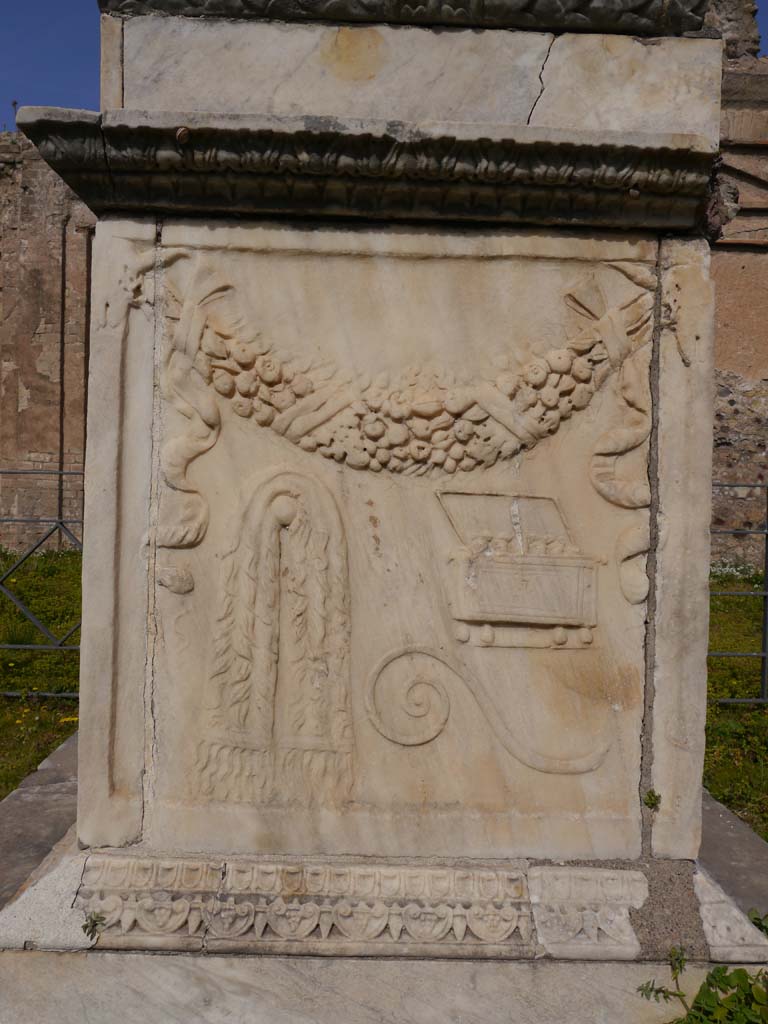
541, 78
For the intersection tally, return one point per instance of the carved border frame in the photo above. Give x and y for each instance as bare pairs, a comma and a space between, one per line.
119, 690
680, 572
116, 602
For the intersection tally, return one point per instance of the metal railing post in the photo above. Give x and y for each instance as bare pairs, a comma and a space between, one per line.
762, 654
764, 643
52, 526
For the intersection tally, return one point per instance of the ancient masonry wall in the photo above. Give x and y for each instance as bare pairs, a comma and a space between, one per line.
735, 21
45, 238
740, 271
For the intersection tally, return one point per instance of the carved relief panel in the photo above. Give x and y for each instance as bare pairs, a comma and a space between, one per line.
400, 524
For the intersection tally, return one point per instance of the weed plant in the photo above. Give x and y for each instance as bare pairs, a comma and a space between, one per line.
727, 995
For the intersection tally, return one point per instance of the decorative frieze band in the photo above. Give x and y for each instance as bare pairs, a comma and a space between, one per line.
638, 17
311, 166
583, 913
361, 909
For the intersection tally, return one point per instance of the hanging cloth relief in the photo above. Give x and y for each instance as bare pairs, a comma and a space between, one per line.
279, 709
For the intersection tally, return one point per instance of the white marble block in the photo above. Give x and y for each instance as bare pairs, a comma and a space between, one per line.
398, 474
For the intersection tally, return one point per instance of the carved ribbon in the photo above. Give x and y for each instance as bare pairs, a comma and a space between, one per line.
627, 339
185, 516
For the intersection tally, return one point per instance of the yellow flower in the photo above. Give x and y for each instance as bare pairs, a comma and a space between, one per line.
74, 718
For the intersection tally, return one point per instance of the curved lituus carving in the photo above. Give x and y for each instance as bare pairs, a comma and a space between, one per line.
280, 723
417, 711
425, 699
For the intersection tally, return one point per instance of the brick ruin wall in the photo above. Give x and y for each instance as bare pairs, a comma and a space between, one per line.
740, 272
741, 402
735, 21
44, 253
45, 239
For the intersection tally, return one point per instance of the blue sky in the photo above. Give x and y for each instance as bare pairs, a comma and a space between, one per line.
49, 54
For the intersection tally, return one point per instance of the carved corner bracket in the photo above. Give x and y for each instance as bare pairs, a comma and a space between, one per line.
239, 165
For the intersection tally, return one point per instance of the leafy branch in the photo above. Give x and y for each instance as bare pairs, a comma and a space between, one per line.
93, 925
726, 996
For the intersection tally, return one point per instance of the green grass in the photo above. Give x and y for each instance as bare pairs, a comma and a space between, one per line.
29, 731
736, 764
736, 760
31, 727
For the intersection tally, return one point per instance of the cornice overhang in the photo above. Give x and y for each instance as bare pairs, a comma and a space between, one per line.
634, 17
230, 165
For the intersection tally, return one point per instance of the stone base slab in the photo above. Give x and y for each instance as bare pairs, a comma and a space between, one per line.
134, 988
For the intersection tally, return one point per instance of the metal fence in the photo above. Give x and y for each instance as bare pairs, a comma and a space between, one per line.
761, 595
67, 528
45, 529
